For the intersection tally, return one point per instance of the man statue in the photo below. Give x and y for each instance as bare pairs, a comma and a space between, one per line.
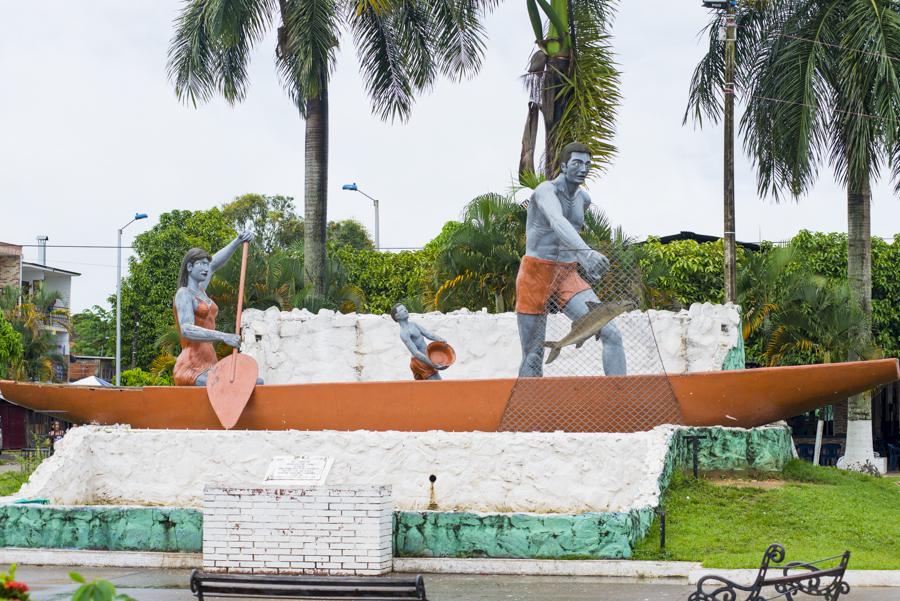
548, 272
413, 336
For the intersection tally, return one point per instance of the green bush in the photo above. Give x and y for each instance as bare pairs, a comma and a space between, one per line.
685, 270
11, 349
387, 278
137, 377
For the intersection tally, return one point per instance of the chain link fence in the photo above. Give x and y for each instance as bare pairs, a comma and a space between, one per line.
574, 393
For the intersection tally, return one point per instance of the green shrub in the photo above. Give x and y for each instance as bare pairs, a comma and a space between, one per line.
11, 349
137, 377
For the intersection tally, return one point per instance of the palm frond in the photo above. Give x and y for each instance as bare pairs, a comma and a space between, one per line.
591, 88
235, 26
191, 55
382, 62
787, 113
307, 47
414, 28
459, 36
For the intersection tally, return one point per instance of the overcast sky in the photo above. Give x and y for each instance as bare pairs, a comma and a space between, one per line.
91, 132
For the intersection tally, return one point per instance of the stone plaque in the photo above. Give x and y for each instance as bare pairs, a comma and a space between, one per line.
307, 470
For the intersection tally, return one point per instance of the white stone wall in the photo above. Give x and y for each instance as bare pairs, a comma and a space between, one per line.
298, 530
475, 471
299, 346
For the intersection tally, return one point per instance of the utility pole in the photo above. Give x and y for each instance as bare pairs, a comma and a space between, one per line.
729, 238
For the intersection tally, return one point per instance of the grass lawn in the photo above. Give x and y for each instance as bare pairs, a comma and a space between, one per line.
815, 512
10, 482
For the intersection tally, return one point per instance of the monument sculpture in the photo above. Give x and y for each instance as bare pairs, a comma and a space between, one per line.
548, 275
195, 314
413, 336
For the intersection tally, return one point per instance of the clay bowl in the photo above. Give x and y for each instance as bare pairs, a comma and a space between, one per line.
441, 353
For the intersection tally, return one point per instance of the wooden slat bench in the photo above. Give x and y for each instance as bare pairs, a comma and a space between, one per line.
369, 588
796, 578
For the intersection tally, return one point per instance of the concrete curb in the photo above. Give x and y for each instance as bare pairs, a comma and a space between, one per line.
853, 577
612, 568
105, 559
680, 571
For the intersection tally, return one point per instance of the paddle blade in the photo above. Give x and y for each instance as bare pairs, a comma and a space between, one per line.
228, 398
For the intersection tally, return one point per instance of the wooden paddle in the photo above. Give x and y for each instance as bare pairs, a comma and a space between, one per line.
231, 381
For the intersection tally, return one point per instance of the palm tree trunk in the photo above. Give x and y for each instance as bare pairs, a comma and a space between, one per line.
529, 140
316, 192
858, 451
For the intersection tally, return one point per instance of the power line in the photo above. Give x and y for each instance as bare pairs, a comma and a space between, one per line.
829, 44
70, 246
812, 106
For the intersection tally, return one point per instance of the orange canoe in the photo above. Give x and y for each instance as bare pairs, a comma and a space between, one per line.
742, 398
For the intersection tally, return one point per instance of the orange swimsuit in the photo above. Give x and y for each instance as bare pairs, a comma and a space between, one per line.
196, 357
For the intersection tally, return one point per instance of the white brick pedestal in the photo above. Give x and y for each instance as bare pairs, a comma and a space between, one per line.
298, 530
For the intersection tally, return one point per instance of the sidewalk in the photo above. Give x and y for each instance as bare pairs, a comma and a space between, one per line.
53, 584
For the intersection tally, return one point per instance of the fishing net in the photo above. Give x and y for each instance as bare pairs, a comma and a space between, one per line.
574, 394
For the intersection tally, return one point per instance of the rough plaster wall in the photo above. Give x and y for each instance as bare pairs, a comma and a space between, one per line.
299, 346
476, 471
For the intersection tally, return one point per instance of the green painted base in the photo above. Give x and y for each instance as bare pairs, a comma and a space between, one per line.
416, 534
736, 357
101, 527
518, 535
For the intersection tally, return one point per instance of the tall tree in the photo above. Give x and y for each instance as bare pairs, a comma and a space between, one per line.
94, 332
272, 219
402, 45
572, 79
821, 82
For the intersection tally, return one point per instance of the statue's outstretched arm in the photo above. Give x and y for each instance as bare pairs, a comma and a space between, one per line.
184, 307
431, 336
569, 239
221, 257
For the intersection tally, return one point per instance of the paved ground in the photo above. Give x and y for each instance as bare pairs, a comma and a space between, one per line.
53, 584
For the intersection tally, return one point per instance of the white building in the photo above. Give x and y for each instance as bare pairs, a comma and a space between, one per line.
39, 276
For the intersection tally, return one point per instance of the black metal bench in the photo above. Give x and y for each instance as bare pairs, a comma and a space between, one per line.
207, 584
796, 577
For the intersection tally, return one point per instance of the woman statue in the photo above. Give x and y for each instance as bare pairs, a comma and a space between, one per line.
195, 314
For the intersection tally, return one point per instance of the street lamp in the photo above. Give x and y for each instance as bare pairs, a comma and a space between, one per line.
119, 298
353, 188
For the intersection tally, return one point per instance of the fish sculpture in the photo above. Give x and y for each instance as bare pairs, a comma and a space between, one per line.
590, 324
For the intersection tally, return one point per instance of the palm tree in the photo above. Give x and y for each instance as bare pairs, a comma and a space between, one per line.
821, 83
572, 79
818, 321
402, 46
479, 263
30, 314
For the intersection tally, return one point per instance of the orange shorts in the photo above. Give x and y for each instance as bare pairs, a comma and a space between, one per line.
541, 281
420, 369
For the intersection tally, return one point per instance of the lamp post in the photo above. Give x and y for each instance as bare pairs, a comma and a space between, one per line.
119, 298
353, 188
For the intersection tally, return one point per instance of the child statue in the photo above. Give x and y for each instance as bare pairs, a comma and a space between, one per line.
195, 314
413, 336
